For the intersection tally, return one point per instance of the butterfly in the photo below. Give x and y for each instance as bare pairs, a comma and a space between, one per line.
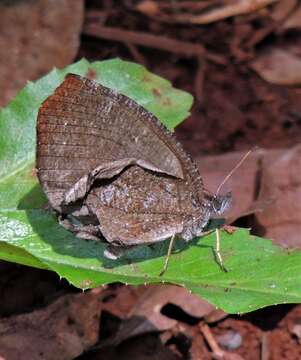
114, 172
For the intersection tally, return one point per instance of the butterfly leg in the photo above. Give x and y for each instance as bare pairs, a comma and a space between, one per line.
217, 251
115, 252
168, 255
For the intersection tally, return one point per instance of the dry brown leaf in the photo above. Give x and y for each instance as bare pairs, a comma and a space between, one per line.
145, 316
213, 170
278, 205
36, 36
293, 21
215, 316
281, 181
283, 9
63, 330
156, 297
278, 66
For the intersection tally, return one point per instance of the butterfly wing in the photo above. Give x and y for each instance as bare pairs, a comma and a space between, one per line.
139, 207
84, 125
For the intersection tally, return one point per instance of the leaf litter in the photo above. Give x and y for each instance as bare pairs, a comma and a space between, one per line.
273, 342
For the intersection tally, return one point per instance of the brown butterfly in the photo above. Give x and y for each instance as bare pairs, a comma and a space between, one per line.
114, 172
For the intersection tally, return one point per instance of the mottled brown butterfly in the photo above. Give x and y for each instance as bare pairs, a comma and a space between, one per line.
114, 172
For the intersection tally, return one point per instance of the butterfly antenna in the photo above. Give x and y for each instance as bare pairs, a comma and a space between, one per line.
233, 170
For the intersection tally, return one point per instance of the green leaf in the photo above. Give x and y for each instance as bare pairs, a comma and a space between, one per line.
18, 120
259, 273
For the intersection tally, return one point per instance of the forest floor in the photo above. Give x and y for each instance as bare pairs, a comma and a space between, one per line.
233, 65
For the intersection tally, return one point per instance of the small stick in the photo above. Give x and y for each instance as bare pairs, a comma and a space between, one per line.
168, 255
223, 12
217, 351
265, 351
184, 48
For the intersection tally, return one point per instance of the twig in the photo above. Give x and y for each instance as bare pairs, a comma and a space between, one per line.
206, 332
158, 42
265, 351
144, 39
261, 34
200, 78
151, 7
153, 41
219, 13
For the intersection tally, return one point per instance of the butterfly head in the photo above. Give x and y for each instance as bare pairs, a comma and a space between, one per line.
220, 203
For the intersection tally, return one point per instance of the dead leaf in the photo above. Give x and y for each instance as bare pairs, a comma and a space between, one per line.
156, 297
62, 330
122, 300
36, 36
215, 316
277, 201
281, 181
296, 330
278, 66
145, 316
293, 21
214, 169
283, 9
